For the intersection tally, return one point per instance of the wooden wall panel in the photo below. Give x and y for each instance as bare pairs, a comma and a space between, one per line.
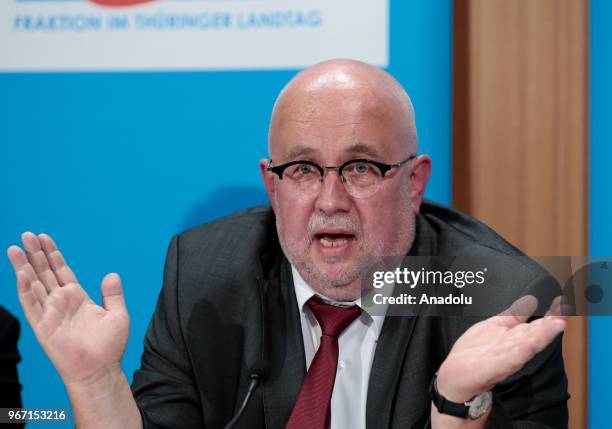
520, 135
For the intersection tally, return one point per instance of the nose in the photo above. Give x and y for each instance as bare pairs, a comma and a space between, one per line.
333, 197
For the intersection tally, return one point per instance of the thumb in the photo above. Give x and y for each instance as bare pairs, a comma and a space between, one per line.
112, 293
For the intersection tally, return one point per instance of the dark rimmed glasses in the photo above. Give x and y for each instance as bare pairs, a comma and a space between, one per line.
361, 177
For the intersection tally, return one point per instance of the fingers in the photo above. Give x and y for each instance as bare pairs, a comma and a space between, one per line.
20, 262
43, 262
519, 312
539, 334
548, 327
30, 303
555, 308
112, 294
38, 260
62, 271
559, 309
533, 337
526, 340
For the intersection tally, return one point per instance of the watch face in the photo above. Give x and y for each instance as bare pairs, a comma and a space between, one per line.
480, 405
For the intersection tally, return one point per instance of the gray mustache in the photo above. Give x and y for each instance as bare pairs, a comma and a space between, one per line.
344, 222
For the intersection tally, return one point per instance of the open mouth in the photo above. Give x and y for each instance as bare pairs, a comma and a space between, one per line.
331, 240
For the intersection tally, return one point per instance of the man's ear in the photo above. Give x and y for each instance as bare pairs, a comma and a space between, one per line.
419, 177
268, 179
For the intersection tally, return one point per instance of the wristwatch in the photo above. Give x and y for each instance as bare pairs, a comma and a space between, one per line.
472, 409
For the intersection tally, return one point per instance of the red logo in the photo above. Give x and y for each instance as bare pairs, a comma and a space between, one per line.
117, 3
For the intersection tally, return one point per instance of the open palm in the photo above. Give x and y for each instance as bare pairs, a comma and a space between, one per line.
497, 347
81, 338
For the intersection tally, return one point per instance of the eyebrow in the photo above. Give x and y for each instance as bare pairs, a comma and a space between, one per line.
363, 148
299, 151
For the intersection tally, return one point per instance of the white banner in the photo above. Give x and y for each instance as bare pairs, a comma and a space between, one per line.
67, 35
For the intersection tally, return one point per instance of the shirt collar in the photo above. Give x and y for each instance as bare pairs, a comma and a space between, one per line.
303, 292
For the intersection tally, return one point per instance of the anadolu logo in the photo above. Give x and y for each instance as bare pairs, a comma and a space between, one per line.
119, 3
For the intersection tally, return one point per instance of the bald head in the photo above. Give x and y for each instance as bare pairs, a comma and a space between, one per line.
336, 92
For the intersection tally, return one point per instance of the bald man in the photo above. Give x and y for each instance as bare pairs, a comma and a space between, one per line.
282, 284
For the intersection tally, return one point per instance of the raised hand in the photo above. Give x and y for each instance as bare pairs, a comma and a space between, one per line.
496, 348
83, 340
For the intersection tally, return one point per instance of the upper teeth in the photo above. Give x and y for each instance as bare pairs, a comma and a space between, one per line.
326, 242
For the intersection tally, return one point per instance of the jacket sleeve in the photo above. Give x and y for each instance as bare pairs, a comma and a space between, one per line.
536, 397
164, 386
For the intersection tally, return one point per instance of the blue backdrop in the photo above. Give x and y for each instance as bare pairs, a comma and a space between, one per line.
112, 165
600, 346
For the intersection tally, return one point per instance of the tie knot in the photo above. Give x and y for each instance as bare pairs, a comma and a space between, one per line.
332, 318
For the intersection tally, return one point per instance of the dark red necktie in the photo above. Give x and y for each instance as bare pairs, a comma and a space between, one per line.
312, 409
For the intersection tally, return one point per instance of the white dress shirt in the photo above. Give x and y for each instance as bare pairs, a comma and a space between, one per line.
356, 352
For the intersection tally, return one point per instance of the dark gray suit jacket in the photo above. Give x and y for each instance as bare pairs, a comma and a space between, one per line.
10, 389
228, 301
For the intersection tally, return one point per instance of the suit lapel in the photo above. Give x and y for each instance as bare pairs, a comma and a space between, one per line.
386, 369
284, 349
393, 342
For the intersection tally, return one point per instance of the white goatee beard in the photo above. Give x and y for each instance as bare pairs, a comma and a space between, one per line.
297, 250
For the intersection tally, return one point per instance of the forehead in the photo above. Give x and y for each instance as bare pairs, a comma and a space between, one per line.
337, 123
362, 149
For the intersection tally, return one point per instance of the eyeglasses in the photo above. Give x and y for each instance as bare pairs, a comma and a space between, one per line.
361, 177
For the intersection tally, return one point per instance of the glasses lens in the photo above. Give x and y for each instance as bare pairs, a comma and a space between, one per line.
361, 178
302, 173
305, 178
